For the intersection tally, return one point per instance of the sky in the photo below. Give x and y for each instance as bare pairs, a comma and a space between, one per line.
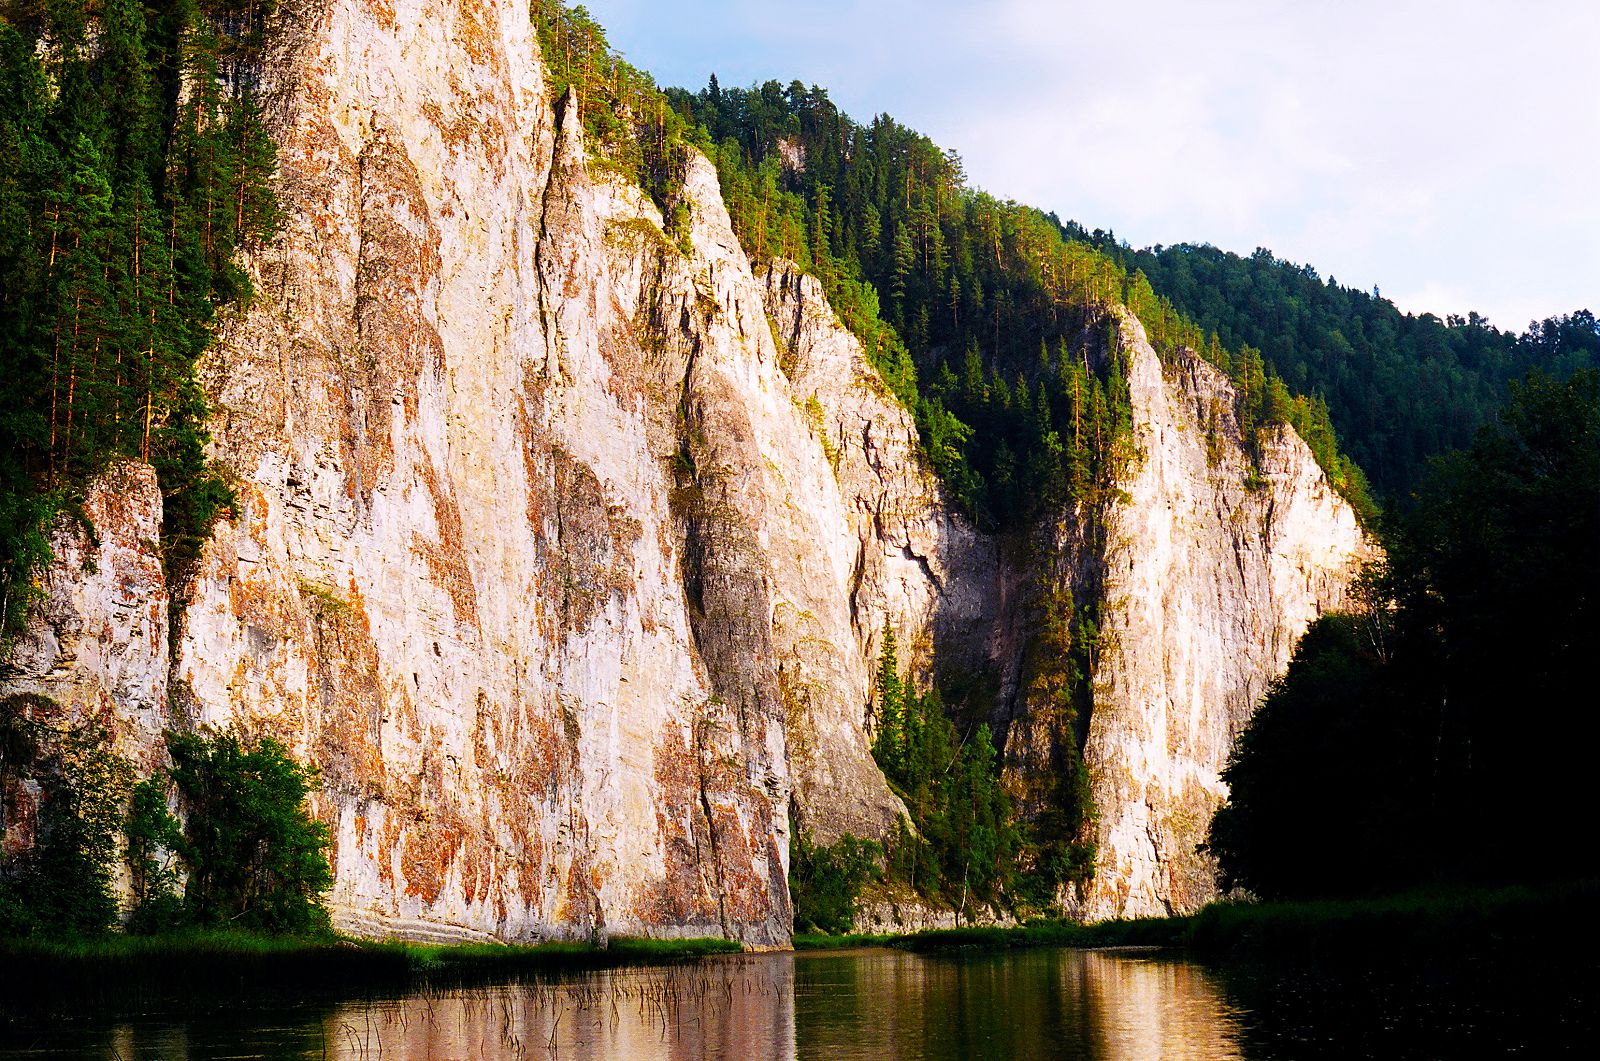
1444, 151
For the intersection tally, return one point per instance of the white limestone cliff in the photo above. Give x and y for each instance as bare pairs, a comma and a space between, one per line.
564, 552
1208, 583
539, 555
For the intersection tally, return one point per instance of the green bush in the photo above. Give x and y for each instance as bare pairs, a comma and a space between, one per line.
1405, 741
254, 856
62, 886
825, 882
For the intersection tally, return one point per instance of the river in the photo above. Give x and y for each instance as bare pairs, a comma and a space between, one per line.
883, 1004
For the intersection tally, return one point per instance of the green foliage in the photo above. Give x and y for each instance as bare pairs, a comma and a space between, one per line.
961, 843
1404, 742
888, 745
154, 836
208, 970
133, 164
825, 882
931, 275
1138, 932
1057, 841
25, 515
981, 316
62, 885
1483, 926
1314, 794
1399, 388
253, 855
1262, 400
627, 122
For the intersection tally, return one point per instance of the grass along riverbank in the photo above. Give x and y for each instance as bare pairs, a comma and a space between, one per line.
1143, 932
1455, 920
197, 969
116, 971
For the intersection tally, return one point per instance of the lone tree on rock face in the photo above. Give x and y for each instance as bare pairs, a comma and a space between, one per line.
889, 745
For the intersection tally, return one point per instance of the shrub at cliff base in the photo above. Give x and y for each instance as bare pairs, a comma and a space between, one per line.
62, 885
246, 854
253, 856
825, 882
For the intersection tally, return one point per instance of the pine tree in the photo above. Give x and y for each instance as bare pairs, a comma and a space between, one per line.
889, 746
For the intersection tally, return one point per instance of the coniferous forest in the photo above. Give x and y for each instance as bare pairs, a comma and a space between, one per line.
133, 165
1400, 388
978, 312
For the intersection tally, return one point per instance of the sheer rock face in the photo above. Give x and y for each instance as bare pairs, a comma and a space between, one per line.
538, 554
1208, 585
465, 577
564, 549
898, 552
97, 645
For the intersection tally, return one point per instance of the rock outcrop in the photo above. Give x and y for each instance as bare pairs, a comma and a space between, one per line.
539, 555
96, 650
1210, 575
563, 548
906, 557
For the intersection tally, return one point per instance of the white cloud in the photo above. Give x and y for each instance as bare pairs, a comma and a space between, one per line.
1444, 148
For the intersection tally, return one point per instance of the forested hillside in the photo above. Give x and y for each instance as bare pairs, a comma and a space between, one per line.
132, 165
1400, 388
980, 313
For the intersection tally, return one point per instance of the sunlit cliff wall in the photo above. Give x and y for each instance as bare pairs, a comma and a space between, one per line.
564, 551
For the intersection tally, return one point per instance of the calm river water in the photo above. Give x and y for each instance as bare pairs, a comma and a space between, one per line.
1106, 1006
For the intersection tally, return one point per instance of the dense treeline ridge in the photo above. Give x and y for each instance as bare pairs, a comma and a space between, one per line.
997, 333
133, 165
935, 277
1400, 388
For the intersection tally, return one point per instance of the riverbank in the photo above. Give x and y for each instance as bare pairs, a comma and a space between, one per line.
116, 971
211, 968
1143, 932
1477, 921
1453, 920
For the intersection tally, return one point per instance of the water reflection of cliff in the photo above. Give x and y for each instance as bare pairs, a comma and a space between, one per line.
734, 1008
836, 1007
1154, 1008
869, 1004
1065, 1004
